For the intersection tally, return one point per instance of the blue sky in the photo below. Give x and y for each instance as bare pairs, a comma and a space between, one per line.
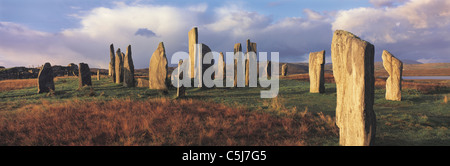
56, 15
71, 31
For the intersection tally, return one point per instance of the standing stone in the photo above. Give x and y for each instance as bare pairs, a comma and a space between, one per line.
284, 69
394, 68
237, 61
205, 50
119, 66
193, 41
268, 69
317, 72
84, 75
251, 47
128, 69
158, 69
45, 79
221, 67
98, 75
353, 70
181, 89
112, 63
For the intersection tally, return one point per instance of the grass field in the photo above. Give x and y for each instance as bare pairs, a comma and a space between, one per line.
109, 114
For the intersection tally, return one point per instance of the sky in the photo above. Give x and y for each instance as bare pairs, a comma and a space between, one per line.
33, 32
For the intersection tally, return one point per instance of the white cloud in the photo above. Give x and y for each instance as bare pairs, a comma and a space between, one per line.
198, 8
415, 29
389, 3
410, 31
313, 15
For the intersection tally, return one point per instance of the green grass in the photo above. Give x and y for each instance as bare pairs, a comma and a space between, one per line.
420, 119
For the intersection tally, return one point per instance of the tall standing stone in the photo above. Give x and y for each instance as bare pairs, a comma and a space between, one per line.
181, 89
98, 75
112, 63
205, 50
268, 69
45, 79
284, 69
317, 72
119, 66
237, 61
158, 69
193, 52
128, 69
353, 70
250, 57
84, 75
394, 68
221, 67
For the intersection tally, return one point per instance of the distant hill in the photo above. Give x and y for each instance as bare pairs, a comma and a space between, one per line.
408, 61
426, 69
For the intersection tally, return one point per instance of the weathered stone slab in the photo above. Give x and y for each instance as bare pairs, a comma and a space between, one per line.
158, 69
250, 57
128, 69
193, 52
284, 69
205, 50
268, 69
98, 75
394, 68
237, 61
221, 67
45, 79
317, 72
84, 75
119, 66
181, 90
353, 70
112, 63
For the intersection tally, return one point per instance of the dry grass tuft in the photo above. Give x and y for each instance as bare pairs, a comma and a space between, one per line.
155, 122
7, 85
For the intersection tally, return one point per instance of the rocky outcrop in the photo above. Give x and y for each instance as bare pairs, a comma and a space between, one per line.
394, 68
45, 79
317, 72
26, 73
158, 69
353, 70
140, 82
72, 69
